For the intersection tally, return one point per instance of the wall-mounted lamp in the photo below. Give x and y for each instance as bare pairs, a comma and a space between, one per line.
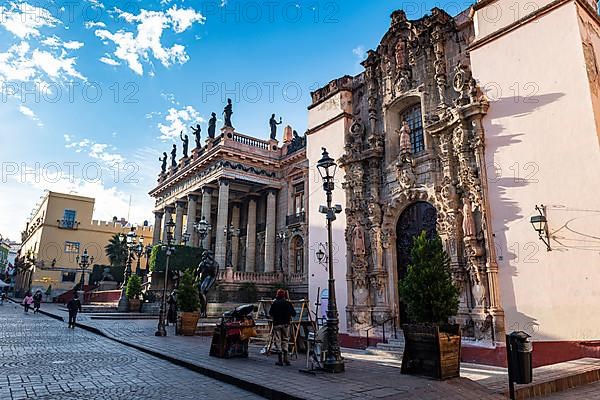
322, 255
540, 224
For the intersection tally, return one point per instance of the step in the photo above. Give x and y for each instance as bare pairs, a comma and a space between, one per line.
385, 353
546, 380
396, 342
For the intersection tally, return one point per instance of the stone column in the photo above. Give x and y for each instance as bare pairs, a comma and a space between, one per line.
206, 207
158, 216
222, 219
191, 219
270, 231
251, 236
179, 207
168, 218
235, 239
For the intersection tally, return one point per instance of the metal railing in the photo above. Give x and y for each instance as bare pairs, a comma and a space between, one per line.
382, 325
295, 218
67, 224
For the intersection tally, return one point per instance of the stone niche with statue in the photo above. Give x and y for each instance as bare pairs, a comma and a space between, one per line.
414, 160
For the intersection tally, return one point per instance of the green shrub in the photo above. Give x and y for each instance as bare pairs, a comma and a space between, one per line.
187, 293
428, 290
134, 287
181, 259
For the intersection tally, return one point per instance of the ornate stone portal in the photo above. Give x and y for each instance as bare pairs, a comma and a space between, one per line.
420, 66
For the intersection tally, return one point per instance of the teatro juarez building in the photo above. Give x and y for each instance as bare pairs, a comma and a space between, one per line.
251, 192
459, 126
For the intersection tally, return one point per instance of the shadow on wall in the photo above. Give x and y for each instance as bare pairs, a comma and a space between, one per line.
503, 178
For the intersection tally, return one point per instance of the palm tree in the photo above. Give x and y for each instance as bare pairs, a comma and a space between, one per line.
116, 250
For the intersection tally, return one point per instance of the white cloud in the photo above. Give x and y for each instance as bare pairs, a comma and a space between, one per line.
46, 59
137, 47
178, 120
55, 67
28, 112
360, 53
96, 4
94, 24
24, 20
99, 151
54, 41
109, 61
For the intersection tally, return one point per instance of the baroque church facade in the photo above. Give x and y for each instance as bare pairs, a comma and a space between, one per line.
418, 150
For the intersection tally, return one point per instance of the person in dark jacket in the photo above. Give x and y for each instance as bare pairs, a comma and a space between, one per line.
74, 306
282, 312
172, 312
37, 301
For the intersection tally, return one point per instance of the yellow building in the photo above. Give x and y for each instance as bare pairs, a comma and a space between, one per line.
60, 229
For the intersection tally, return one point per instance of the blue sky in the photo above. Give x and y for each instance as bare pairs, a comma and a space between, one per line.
93, 91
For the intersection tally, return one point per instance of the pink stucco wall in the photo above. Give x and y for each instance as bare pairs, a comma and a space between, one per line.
542, 148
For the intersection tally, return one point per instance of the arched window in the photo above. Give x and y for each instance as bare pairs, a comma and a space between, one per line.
298, 252
412, 115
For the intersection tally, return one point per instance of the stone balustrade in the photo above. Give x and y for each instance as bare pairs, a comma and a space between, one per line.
297, 278
250, 141
230, 276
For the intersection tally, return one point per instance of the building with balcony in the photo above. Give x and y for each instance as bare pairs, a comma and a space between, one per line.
61, 228
252, 192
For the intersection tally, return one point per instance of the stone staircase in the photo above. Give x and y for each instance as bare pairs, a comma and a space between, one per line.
394, 348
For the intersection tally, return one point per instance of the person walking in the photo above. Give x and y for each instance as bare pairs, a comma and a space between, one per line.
27, 301
282, 312
37, 301
74, 306
2, 298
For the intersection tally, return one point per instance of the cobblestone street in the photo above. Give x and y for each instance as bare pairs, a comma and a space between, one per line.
43, 359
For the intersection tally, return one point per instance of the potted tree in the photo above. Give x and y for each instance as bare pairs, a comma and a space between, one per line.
133, 293
188, 303
432, 345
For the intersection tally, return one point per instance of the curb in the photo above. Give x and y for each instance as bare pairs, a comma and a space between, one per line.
255, 388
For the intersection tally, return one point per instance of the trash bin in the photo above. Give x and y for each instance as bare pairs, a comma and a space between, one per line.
519, 350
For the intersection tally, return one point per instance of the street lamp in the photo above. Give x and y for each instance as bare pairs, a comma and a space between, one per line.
333, 359
202, 228
161, 331
540, 224
133, 244
321, 256
84, 262
148, 252
139, 251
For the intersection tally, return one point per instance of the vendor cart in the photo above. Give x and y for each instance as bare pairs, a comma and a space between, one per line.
232, 332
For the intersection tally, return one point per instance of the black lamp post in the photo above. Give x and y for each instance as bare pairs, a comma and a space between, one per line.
148, 251
84, 262
133, 244
139, 251
202, 228
161, 331
333, 359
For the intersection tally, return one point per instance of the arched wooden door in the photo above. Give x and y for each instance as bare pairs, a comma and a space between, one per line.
414, 219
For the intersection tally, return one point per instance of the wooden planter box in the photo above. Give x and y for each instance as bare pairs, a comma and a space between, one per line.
431, 350
189, 322
134, 305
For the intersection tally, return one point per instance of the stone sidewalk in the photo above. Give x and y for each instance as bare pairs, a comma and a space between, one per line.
366, 377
